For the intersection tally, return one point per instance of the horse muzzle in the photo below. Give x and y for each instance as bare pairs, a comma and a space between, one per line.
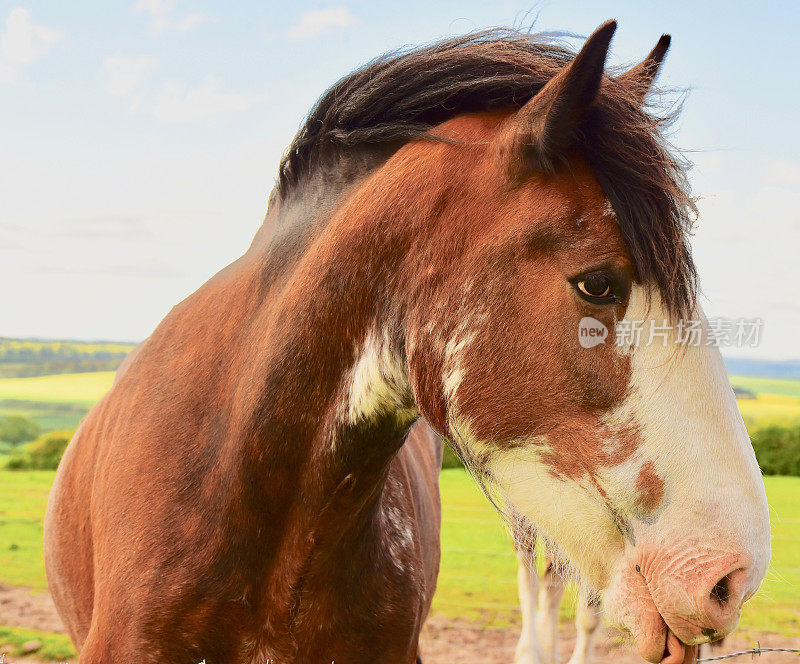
675, 596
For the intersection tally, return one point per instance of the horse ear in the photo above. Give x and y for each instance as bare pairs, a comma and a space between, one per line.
542, 129
640, 78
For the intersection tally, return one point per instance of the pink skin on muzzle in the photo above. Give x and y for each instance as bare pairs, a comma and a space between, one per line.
669, 598
630, 605
634, 608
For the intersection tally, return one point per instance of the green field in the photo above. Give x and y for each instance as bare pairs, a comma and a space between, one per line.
777, 402
35, 357
477, 581
80, 388
779, 386
22, 350
478, 576
60, 401
769, 409
49, 416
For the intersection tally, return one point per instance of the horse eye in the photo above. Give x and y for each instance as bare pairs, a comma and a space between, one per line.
595, 286
601, 287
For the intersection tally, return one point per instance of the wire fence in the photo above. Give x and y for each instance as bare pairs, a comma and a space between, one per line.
758, 650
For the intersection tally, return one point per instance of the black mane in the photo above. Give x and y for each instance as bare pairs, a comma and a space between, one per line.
401, 96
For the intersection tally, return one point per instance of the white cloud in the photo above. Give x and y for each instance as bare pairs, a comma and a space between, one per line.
124, 74
784, 173
178, 104
8, 74
318, 22
23, 42
163, 16
745, 247
174, 102
158, 10
189, 21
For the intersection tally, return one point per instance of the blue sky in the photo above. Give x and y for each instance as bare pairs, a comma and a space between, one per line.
141, 140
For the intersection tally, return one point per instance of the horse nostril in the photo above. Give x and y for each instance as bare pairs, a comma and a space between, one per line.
709, 632
721, 591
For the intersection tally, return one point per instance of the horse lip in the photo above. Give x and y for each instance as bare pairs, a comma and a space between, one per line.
676, 651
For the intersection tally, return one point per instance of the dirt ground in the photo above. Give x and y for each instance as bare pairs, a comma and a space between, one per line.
444, 641
19, 607
448, 642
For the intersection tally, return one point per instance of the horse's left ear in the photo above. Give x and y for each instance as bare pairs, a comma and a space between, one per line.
539, 133
640, 78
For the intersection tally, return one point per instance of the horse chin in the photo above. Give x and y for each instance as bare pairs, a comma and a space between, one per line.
630, 607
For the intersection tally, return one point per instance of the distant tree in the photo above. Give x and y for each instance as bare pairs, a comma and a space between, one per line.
777, 449
743, 393
44, 453
16, 429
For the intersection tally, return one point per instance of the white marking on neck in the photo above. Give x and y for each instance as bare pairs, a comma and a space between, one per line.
378, 383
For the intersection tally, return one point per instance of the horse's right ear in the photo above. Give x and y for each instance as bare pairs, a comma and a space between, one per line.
540, 131
641, 77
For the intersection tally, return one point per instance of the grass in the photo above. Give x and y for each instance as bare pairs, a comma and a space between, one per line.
55, 647
23, 498
777, 402
477, 581
769, 409
478, 575
776, 607
80, 388
779, 386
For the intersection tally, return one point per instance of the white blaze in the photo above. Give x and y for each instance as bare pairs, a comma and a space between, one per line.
690, 428
683, 407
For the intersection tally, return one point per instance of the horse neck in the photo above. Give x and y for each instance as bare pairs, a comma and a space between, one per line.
331, 398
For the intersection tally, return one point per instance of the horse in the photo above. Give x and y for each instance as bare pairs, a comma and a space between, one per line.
540, 599
442, 223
